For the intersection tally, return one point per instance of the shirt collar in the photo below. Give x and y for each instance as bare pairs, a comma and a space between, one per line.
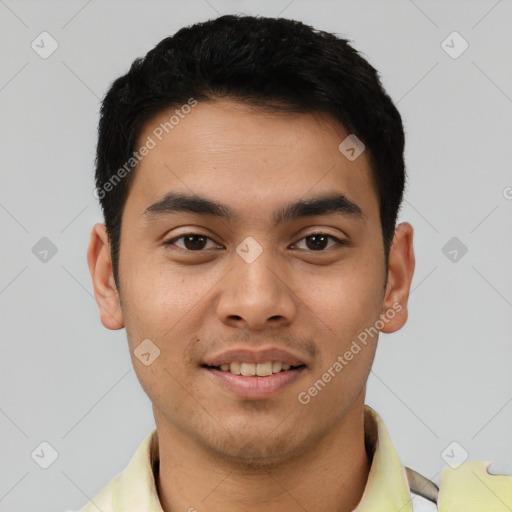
386, 490
387, 487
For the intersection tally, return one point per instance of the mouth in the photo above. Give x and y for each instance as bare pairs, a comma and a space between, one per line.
254, 374
246, 369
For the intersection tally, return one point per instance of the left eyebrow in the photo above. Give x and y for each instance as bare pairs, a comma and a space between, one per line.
320, 205
329, 204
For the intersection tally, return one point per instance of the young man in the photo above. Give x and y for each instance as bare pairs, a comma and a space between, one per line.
250, 172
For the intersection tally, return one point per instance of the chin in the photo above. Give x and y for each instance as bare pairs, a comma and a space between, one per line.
256, 451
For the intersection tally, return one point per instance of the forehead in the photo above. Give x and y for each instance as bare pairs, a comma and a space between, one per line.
248, 158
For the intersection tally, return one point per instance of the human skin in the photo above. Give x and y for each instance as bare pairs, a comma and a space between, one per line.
220, 451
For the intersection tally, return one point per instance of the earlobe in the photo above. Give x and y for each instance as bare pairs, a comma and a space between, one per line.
400, 272
105, 290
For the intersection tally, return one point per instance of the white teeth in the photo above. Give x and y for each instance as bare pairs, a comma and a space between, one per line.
264, 369
248, 369
251, 369
276, 367
235, 368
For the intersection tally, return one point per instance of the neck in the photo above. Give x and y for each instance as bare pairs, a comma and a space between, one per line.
330, 476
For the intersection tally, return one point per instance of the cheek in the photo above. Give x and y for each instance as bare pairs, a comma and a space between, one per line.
346, 299
167, 306
344, 312
156, 296
345, 305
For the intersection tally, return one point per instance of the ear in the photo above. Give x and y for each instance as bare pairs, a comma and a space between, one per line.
105, 289
400, 271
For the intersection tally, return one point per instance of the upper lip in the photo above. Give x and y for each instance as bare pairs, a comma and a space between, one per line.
245, 355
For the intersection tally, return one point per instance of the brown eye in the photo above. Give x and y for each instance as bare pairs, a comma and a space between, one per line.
192, 242
319, 241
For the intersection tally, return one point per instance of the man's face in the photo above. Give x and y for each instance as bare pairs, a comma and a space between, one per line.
249, 284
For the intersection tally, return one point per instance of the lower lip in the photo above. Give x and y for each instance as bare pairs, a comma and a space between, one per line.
256, 387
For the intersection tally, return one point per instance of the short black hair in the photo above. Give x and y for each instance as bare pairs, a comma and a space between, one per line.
268, 63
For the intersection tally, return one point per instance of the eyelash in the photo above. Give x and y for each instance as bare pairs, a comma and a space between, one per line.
338, 241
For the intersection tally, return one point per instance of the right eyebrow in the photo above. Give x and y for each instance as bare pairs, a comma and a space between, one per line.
174, 202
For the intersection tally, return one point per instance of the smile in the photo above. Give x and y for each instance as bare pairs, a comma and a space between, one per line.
254, 374
255, 369
254, 386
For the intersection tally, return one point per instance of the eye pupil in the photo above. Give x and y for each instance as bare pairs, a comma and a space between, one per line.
192, 239
319, 241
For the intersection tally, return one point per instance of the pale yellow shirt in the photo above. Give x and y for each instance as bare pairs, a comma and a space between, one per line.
387, 488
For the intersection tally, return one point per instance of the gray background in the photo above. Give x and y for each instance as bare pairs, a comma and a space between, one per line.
68, 381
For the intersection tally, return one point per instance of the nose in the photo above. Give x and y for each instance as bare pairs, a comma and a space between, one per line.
256, 295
